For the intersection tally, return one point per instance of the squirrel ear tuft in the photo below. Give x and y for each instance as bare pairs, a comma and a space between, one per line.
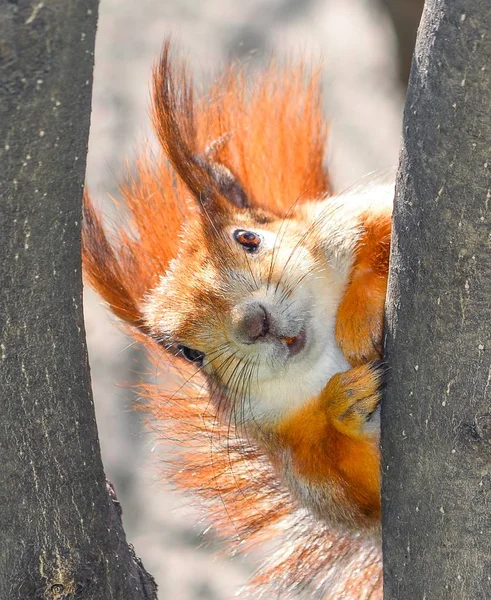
173, 116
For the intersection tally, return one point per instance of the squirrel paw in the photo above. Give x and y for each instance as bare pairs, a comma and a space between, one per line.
352, 398
360, 339
360, 319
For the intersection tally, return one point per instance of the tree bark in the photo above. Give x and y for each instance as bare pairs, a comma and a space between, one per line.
61, 531
436, 420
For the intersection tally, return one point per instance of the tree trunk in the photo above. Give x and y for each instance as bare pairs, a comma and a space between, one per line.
436, 420
61, 532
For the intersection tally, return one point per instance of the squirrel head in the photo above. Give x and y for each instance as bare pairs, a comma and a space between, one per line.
245, 299
226, 268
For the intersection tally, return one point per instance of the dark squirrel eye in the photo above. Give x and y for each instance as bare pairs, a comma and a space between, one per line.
248, 239
192, 355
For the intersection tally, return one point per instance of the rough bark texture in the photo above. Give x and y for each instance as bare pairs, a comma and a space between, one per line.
436, 421
61, 531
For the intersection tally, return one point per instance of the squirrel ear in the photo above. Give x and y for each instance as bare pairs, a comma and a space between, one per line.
172, 110
228, 186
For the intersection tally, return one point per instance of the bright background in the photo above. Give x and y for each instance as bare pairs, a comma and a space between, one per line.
363, 102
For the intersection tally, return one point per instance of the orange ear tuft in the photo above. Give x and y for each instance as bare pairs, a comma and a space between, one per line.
174, 123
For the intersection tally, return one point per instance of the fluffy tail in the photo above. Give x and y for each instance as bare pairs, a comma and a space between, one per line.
272, 137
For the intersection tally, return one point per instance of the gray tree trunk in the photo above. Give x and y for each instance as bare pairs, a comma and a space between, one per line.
61, 531
436, 420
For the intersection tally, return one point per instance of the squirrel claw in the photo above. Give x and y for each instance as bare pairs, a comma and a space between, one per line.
353, 396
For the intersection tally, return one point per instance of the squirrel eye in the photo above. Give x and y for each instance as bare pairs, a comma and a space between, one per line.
248, 239
192, 355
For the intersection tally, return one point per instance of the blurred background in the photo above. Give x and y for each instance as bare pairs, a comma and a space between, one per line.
365, 47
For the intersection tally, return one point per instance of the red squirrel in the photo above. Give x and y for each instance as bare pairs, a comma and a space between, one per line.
266, 294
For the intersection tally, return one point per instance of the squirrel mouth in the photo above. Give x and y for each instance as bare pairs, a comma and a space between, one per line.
295, 344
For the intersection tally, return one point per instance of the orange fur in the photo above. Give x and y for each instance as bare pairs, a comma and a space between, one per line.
326, 441
359, 325
244, 129
245, 501
272, 138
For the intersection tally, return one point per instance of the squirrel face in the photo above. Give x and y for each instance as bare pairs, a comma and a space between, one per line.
246, 301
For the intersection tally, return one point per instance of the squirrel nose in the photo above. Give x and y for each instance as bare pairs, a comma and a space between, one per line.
251, 322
